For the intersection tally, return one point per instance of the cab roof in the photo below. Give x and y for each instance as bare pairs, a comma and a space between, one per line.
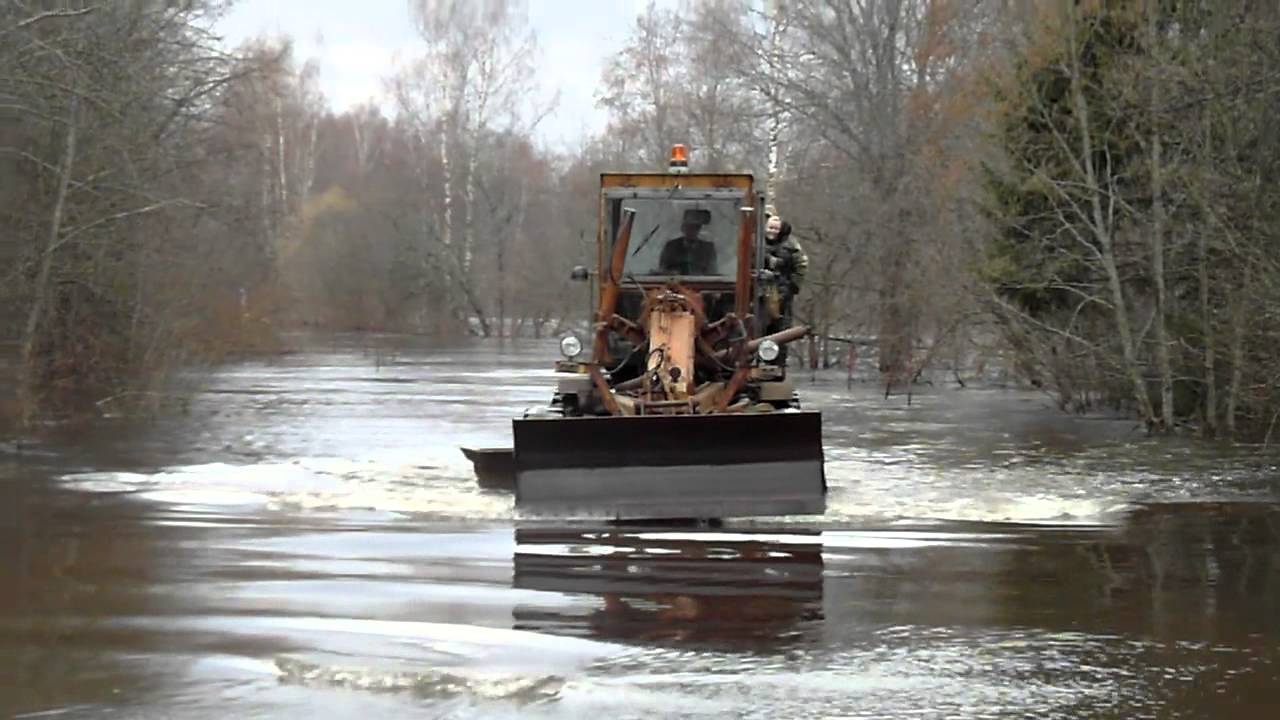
738, 181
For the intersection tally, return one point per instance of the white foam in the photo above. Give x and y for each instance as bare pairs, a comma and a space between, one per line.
439, 482
463, 641
311, 483
211, 497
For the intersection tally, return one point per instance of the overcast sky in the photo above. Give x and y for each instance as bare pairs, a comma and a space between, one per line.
358, 42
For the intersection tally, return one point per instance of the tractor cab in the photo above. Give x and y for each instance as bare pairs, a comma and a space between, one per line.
696, 237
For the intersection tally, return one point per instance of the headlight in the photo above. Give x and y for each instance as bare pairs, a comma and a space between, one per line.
768, 350
570, 346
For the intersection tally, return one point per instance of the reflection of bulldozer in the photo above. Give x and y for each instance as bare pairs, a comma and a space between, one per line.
689, 587
678, 408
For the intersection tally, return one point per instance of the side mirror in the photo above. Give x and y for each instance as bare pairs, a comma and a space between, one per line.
579, 273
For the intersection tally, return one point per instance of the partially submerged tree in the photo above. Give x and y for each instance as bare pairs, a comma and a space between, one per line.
1128, 208
108, 112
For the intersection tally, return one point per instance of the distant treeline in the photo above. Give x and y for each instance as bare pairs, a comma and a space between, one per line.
1082, 191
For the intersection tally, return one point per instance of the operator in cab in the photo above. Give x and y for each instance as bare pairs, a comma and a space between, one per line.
689, 254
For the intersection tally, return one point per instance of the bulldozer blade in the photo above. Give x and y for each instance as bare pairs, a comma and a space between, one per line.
671, 466
493, 467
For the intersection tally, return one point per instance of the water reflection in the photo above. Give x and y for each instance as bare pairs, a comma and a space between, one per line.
69, 567
309, 541
1203, 569
706, 588
1166, 571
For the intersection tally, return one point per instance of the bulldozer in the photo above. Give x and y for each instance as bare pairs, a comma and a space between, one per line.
676, 406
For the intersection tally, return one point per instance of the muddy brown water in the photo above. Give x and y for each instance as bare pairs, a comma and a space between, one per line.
308, 541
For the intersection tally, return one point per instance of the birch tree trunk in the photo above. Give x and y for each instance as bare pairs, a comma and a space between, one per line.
307, 164
268, 195
360, 145
518, 229
775, 110
30, 334
1102, 228
282, 170
1158, 230
446, 177
1206, 321
473, 126
1210, 351
1159, 227
1237, 356
468, 212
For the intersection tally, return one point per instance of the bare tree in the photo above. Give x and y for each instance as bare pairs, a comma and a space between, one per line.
110, 146
471, 83
874, 96
640, 87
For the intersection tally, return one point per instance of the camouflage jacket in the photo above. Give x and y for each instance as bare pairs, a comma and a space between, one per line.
790, 261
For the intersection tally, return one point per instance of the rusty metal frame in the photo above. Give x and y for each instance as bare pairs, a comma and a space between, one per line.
741, 185
746, 258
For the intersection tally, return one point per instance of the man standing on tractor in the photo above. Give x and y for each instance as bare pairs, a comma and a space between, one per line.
786, 259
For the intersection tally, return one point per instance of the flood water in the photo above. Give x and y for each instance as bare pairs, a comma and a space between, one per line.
307, 541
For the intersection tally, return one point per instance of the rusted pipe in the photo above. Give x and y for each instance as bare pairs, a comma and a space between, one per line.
735, 384
602, 387
781, 337
634, 383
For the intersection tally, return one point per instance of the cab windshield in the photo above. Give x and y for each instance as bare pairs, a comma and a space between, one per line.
681, 237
